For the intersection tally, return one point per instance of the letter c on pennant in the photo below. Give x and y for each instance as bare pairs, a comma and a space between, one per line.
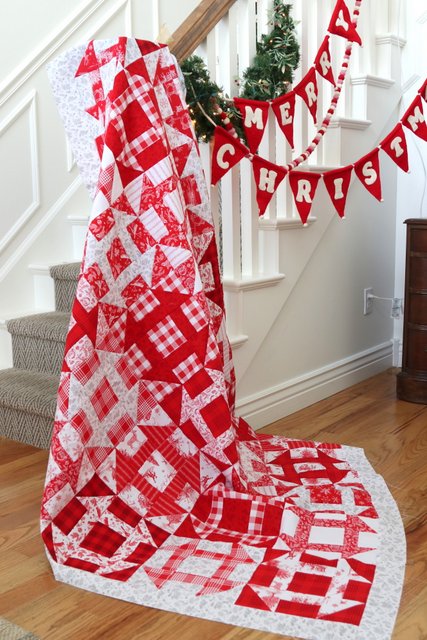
226, 148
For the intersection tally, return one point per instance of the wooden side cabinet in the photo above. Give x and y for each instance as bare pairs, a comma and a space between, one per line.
412, 380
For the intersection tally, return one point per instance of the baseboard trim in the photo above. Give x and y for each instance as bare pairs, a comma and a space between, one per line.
281, 400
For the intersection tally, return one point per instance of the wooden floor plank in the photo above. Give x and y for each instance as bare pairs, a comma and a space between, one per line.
393, 435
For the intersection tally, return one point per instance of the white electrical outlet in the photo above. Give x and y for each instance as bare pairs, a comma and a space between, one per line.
368, 300
396, 307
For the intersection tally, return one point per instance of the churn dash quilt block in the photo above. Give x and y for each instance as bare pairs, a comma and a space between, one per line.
156, 492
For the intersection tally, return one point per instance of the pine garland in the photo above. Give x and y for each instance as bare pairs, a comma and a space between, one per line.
269, 76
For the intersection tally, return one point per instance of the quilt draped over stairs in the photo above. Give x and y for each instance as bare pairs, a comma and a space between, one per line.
156, 492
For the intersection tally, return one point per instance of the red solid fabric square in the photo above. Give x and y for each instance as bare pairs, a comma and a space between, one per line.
235, 515
217, 416
103, 540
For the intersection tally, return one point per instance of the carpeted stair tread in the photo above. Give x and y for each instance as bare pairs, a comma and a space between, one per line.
66, 271
29, 391
47, 326
65, 277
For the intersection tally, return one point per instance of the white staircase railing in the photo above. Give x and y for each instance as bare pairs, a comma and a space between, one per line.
252, 248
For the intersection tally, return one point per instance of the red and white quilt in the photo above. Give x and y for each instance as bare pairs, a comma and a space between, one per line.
156, 492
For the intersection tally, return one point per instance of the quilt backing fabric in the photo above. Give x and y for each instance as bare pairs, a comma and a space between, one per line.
156, 492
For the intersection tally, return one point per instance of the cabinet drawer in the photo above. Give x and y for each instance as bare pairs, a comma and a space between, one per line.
415, 350
418, 239
418, 273
416, 309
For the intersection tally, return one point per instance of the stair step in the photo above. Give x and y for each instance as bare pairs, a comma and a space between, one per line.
27, 406
65, 277
38, 341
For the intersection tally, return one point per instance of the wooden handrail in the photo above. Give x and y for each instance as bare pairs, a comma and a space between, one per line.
196, 27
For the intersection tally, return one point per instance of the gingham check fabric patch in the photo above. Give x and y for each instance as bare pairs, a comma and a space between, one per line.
166, 337
155, 491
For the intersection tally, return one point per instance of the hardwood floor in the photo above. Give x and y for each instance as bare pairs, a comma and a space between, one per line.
393, 434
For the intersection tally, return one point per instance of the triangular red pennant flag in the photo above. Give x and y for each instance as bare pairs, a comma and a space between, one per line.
367, 170
337, 183
307, 90
423, 91
341, 24
414, 118
303, 185
322, 62
255, 116
284, 110
227, 151
395, 146
267, 176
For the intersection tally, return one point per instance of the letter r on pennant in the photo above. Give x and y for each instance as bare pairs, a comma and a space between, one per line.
304, 188
311, 93
325, 63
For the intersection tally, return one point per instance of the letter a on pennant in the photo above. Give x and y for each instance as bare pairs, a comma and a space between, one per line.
284, 110
267, 176
227, 151
323, 63
414, 118
341, 24
337, 183
303, 185
395, 146
255, 116
367, 170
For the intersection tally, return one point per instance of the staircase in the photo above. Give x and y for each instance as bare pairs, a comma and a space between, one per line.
28, 390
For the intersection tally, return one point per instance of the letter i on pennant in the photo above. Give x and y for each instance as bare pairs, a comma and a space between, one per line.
337, 183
